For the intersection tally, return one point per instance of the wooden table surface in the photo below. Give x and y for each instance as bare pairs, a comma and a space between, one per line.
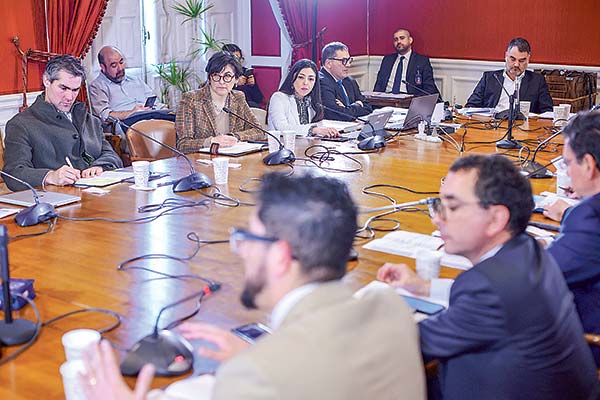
75, 266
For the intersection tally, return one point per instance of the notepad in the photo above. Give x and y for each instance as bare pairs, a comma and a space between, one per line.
238, 149
105, 179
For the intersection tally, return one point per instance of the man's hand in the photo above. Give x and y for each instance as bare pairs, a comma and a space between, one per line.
339, 103
556, 210
65, 175
102, 379
242, 80
229, 345
139, 107
326, 132
360, 103
224, 140
400, 275
92, 171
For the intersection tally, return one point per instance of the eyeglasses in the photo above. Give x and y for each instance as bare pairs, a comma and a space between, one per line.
436, 207
238, 235
344, 61
226, 78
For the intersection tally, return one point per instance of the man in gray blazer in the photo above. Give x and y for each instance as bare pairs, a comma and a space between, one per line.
326, 343
56, 141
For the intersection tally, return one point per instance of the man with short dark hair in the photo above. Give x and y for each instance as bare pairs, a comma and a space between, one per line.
577, 247
246, 83
339, 92
326, 344
405, 65
511, 330
56, 141
530, 86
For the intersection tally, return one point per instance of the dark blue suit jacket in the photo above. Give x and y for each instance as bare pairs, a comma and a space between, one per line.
511, 331
577, 252
416, 62
330, 91
533, 88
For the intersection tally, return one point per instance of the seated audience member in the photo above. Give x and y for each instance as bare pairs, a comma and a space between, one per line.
511, 330
340, 92
405, 65
326, 344
577, 247
297, 105
532, 86
201, 119
120, 95
42, 140
246, 82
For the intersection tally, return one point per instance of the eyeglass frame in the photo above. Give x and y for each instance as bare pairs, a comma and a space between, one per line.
436, 207
237, 235
221, 77
345, 61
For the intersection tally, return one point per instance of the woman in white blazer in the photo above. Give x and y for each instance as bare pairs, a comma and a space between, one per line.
297, 104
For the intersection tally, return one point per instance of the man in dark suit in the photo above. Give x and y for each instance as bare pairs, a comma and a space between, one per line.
339, 92
530, 85
511, 330
577, 249
405, 65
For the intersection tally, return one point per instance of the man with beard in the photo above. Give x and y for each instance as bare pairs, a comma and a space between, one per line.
405, 65
531, 86
120, 95
326, 343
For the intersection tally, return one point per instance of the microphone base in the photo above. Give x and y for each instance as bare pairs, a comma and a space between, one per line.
194, 181
533, 166
508, 144
281, 156
19, 331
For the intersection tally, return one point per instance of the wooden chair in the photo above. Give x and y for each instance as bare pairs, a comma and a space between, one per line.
261, 116
142, 149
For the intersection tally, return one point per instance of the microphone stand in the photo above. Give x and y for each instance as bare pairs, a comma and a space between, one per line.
12, 331
281, 156
509, 143
195, 180
427, 200
366, 142
42, 211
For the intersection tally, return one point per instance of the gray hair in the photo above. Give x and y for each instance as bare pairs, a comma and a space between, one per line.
330, 49
66, 63
521, 44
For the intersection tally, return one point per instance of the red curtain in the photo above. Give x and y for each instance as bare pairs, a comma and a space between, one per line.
73, 24
298, 19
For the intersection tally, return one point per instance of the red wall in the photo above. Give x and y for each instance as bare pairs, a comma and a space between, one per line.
25, 19
346, 21
560, 32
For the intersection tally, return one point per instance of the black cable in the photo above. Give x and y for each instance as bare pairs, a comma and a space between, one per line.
51, 223
319, 154
112, 313
30, 342
222, 199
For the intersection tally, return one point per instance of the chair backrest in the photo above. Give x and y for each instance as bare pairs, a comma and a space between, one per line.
142, 149
261, 116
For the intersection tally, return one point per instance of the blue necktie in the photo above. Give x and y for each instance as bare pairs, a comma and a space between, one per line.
398, 77
346, 99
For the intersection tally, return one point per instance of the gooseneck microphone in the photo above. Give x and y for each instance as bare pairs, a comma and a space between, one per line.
366, 142
194, 181
421, 202
508, 143
12, 331
32, 215
281, 156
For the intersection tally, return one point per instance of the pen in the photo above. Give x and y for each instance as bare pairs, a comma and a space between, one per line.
566, 189
68, 162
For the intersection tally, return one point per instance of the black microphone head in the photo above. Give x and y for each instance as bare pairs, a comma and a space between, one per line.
226, 110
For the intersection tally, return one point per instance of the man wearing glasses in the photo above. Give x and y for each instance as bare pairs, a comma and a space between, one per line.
326, 343
340, 93
511, 330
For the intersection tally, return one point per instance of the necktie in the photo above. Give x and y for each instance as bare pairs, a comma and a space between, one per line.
398, 78
346, 99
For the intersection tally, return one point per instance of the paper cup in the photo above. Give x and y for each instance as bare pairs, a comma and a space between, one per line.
567, 108
524, 107
560, 115
289, 140
141, 173
221, 170
76, 342
70, 372
273, 145
428, 263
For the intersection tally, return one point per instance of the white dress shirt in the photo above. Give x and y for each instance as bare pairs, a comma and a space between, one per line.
509, 86
390, 83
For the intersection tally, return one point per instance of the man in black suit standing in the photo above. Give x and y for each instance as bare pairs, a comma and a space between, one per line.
405, 65
529, 85
339, 92
511, 330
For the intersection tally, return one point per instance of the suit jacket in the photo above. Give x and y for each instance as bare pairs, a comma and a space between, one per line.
283, 114
332, 346
511, 331
533, 88
577, 252
417, 62
39, 138
196, 119
330, 91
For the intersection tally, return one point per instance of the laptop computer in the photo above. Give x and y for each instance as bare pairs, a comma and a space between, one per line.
420, 109
25, 198
376, 125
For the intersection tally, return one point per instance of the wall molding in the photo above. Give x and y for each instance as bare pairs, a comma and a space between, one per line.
9, 107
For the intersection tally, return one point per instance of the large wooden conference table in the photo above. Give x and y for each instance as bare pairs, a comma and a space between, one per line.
75, 266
